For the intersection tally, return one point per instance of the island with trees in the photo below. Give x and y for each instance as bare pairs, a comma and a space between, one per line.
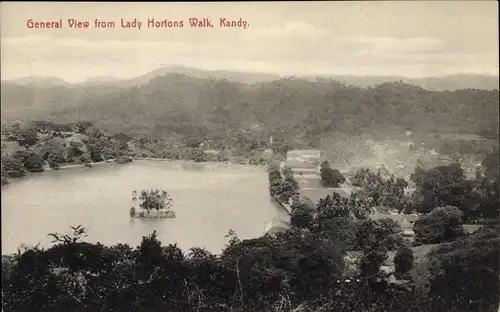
149, 201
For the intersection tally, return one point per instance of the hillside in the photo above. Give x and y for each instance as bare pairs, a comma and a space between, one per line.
39, 82
190, 106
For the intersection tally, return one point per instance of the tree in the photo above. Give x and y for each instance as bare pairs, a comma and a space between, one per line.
438, 186
371, 234
155, 200
13, 167
27, 137
330, 177
274, 175
32, 161
333, 206
441, 225
403, 260
150, 252
372, 261
76, 150
302, 215
55, 158
284, 191
490, 164
288, 175
79, 232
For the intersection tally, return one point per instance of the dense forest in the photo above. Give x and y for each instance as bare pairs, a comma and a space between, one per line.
179, 104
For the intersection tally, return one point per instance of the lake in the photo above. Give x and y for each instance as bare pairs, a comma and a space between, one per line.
209, 200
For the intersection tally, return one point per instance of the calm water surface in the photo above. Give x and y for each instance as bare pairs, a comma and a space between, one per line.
209, 199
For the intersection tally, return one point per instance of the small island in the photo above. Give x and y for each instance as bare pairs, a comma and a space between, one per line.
142, 206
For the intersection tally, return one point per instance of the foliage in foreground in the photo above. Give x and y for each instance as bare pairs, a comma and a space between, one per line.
298, 268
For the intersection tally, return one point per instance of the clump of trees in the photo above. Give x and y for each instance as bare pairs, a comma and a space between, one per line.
32, 162
446, 186
12, 167
155, 200
380, 233
382, 191
26, 137
303, 213
440, 225
330, 177
283, 187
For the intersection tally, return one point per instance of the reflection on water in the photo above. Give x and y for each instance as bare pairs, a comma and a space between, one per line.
209, 201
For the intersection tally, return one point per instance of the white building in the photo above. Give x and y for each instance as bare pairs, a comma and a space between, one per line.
304, 155
303, 169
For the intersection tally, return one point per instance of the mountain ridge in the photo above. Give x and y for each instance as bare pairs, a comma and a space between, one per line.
449, 82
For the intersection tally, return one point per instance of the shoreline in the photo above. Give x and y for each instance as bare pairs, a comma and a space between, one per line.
79, 166
179, 161
146, 159
174, 161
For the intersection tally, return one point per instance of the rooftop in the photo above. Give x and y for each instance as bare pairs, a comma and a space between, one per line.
298, 153
294, 163
404, 220
276, 226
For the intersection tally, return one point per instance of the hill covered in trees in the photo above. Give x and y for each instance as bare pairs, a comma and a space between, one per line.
189, 106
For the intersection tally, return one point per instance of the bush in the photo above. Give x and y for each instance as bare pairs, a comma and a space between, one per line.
441, 225
403, 260
34, 163
13, 167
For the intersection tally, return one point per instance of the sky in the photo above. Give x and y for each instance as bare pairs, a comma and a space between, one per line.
391, 38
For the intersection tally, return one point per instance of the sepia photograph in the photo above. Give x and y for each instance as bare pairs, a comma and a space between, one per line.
309, 156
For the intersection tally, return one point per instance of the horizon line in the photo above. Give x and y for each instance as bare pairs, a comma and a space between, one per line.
278, 75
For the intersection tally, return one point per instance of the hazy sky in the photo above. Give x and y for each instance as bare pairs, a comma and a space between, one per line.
410, 39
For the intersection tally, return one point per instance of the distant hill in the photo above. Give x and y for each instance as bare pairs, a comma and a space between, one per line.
240, 77
100, 80
451, 83
40, 82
